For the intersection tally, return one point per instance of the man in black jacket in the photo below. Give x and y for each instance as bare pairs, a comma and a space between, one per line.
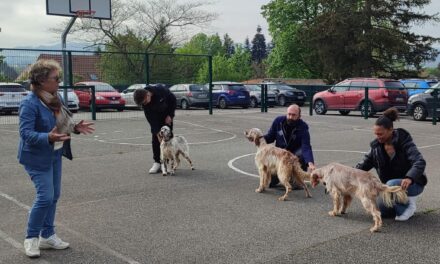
159, 105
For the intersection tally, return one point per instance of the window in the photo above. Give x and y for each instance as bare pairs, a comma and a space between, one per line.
217, 87
341, 87
357, 85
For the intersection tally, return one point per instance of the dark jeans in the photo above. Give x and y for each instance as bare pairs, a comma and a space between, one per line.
398, 209
155, 128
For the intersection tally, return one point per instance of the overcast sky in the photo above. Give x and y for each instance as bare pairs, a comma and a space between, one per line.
25, 23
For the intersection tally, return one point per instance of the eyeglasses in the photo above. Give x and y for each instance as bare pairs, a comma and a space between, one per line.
55, 78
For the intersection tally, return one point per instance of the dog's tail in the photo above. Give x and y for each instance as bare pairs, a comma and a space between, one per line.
299, 171
389, 199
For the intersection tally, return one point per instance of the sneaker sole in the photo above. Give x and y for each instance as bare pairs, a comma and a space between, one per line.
52, 247
33, 255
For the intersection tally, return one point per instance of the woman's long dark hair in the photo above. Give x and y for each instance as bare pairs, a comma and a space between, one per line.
388, 117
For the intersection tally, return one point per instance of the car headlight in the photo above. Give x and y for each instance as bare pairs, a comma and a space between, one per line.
100, 98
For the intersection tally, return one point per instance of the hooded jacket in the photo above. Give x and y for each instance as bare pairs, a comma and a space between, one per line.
298, 142
162, 104
407, 162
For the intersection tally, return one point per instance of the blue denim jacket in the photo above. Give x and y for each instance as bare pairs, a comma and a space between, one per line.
299, 143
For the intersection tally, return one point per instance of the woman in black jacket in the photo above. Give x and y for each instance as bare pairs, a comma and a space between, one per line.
397, 161
159, 105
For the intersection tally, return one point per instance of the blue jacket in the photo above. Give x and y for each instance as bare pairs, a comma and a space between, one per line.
299, 143
36, 121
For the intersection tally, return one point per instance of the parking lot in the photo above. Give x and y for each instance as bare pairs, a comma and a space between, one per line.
112, 211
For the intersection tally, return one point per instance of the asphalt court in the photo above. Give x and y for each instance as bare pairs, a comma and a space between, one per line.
112, 211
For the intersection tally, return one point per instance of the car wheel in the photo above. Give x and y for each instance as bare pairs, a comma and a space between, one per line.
254, 102
184, 105
282, 100
344, 112
419, 112
222, 103
319, 107
370, 109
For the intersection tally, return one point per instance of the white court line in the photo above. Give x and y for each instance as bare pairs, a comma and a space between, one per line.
231, 162
90, 241
194, 143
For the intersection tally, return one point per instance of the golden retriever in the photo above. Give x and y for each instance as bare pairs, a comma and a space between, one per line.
271, 160
344, 182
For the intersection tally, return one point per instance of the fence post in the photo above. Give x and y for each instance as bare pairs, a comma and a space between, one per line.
93, 103
210, 83
435, 104
366, 104
147, 68
312, 93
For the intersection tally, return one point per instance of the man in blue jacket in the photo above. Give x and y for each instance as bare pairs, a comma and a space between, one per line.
290, 132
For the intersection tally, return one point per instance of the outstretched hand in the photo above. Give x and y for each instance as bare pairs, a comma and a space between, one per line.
54, 136
84, 127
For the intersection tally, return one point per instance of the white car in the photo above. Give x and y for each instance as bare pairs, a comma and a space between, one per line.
72, 98
127, 94
10, 96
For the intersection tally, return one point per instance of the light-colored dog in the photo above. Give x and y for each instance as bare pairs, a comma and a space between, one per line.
271, 160
170, 149
344, 182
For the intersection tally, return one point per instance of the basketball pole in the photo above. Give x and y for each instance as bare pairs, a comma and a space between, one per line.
66, 78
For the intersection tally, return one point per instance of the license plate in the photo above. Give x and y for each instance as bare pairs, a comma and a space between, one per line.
271, 99
114, 102
300, 97
202, 96
399, 99
241, 96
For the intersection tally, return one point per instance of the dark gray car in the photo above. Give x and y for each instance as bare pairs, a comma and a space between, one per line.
191, 95
287, 95
420, 106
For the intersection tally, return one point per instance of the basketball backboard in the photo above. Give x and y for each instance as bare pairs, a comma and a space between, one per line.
102, 8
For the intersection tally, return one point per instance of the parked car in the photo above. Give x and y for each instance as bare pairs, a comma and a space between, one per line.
286, 94
420, 106
255, 94
349, 95
106, 97
127, 94
72, 99
225, 94
416, 86
191, 95
10, 96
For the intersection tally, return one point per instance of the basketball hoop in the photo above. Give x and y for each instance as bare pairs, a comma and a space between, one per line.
85, 13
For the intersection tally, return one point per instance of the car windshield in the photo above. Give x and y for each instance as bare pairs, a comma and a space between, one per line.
432, 84
253, 87
198, 88
104, 88
12, 88
396, 84
284, 87
236, 87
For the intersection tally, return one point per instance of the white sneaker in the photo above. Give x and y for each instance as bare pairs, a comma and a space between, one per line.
31, 247
53, 242
409, 211
155, 168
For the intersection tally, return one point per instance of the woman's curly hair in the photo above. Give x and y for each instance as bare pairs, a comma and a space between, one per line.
40, 70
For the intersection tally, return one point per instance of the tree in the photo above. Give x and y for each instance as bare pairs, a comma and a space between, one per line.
338, 39
258, 49
149, 21
228, 46
247, 45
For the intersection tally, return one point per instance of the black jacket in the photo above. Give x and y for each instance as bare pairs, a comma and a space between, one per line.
407, 162
163, 104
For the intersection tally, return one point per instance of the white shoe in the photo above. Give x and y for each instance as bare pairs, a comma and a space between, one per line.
155, 168
53, 242
410, 210
31, 247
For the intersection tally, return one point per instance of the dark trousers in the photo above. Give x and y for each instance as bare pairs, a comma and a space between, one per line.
155, 128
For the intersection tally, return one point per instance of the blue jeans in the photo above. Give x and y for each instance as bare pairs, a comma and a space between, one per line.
398, 209
48, 187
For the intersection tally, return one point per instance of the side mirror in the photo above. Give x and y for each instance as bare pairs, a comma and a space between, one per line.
330, 90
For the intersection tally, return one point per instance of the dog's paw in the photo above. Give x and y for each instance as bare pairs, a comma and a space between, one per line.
333, 213
164, 174
374, 229
282, 198
259, 190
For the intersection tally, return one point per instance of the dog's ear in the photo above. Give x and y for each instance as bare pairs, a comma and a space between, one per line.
315, 178
160, 136
171, 134
257, 141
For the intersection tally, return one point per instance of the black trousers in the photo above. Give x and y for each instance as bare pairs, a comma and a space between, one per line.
155, 128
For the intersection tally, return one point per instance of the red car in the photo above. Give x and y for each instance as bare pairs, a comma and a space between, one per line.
106, 97
349, 95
